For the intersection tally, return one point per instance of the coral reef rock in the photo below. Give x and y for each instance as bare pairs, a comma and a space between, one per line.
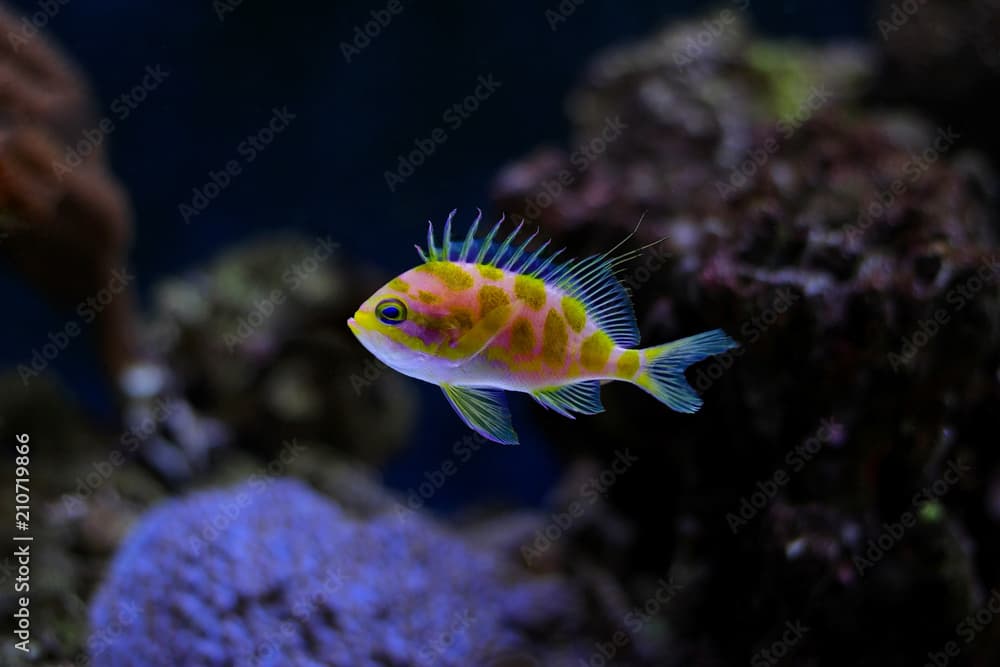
258, 340
272, 573
854, 255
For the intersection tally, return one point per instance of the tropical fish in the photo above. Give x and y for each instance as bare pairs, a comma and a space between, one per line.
480, 317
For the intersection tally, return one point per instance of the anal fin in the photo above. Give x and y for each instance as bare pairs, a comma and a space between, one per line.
485, 411
582, 397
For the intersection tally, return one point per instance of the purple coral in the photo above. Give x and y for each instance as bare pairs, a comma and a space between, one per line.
271, 573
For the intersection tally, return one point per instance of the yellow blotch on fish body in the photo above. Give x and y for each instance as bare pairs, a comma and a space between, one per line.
460, 320
530, 290
628, 363
490, 298
522, 337
399, 285
489, 272
554, 339
513, 363
427, 297
575, 314
480, 335
453, 276
454, 324
595, 351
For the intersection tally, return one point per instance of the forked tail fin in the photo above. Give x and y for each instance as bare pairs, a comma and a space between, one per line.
663, 367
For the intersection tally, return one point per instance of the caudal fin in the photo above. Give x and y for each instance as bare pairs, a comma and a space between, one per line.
663, 367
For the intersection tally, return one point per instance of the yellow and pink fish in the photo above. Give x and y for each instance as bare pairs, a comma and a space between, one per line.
480, 317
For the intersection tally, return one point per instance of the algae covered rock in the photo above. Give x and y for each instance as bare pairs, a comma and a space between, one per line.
854, 255
669, 111
258, 340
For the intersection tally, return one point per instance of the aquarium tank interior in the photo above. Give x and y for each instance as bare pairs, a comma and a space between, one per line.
577, 333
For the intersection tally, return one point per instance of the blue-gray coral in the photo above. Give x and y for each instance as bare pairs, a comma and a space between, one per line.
270, 573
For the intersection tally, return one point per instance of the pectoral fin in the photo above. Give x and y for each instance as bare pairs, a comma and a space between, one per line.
484, 411
583, 397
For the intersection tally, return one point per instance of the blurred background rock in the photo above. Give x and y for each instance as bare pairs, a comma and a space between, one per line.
257, 340
827, 238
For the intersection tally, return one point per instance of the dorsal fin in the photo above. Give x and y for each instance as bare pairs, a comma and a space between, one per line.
591, 280
487, 250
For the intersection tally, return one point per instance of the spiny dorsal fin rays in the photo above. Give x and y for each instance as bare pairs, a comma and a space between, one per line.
511, 260
569, 270
488, 241
505, 245
431, 250
533, 257
538, 272
517, 253
470, 236
446, 241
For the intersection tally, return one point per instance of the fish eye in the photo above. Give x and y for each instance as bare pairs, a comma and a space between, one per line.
391, 311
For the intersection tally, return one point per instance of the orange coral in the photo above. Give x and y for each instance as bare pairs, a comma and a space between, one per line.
65, 230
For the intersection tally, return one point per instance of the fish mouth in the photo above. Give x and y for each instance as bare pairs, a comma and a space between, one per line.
361, 324
361, 332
